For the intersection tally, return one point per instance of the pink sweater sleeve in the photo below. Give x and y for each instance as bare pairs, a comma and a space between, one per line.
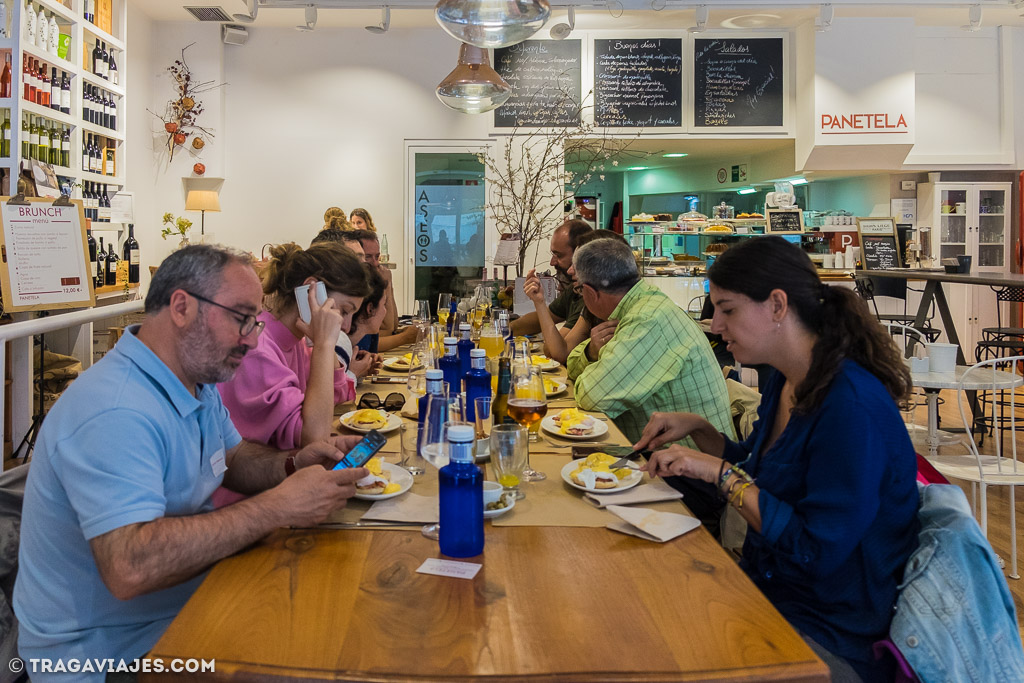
344, 386
265, 397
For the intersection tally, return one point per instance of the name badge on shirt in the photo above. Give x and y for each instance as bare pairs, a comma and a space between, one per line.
218, 463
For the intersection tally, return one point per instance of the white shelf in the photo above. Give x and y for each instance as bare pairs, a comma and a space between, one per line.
47, 113
6, 102
60, 10
51, 59
100, 178
93, 79
101, 131
104, 37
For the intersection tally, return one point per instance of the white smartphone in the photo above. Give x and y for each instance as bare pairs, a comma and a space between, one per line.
302, 299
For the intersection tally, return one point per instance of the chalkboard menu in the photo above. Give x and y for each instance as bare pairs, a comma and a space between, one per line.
879, 248
738, 82
638, 82
545, 78
783, 221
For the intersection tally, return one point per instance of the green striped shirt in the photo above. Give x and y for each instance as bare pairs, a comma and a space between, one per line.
657, 360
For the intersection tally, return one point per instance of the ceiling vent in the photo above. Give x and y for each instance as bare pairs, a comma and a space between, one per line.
209, 14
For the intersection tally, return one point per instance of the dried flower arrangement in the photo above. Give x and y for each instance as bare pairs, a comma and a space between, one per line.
181, 113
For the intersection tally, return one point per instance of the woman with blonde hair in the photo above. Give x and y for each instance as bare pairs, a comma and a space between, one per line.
361, 220
284, 392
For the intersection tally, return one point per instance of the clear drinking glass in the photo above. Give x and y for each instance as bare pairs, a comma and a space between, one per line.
422, 311
482, 413
433, 446
509, 453
411, 460
527, 405
444, 304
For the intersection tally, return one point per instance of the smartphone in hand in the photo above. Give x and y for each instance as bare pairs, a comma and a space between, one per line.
363, 451
302, 300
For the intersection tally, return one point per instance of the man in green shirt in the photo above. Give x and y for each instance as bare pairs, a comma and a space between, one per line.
568, 305
649, 357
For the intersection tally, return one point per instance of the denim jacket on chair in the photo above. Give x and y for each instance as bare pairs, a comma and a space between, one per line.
955, 619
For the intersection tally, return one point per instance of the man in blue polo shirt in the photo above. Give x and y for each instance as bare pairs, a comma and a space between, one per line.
118, 529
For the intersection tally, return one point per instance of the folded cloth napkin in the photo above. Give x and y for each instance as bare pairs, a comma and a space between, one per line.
410, 508
654, 491
651, 524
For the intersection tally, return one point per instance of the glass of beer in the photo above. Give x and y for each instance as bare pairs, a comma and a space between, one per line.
527, 405
444, 304
491, 341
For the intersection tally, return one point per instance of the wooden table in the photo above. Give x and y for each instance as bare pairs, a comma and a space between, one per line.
551, 603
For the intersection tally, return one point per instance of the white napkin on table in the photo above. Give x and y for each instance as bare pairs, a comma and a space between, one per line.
653, 491
650, 524
411, 508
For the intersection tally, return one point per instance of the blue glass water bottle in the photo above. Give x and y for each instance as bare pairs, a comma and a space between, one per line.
477, 380
465, 345
460, 486
450, 366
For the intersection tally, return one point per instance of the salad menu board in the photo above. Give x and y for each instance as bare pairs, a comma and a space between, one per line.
545, 78
45, 259
738, 82
879, 245
638, 82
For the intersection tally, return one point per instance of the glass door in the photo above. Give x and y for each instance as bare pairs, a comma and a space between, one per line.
952, 223
447, 234
991, 228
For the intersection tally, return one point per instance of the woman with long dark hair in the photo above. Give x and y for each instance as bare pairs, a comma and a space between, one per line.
826, 480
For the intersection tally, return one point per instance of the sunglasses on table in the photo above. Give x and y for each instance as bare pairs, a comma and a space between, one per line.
393, 401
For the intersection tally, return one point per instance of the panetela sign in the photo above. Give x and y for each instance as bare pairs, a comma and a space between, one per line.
863, 124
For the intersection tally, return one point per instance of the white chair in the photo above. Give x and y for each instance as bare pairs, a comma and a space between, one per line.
911, 341
998, 377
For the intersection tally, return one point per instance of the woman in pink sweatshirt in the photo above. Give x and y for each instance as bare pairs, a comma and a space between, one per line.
284, 392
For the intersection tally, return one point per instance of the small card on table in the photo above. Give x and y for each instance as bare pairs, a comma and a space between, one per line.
452, 568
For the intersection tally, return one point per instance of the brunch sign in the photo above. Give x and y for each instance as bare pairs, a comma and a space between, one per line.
863, 124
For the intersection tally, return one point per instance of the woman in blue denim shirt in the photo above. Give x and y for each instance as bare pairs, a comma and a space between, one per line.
826, 480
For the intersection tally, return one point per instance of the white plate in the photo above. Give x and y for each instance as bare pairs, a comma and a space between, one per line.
629, 482
549, 366
394, 422
559, 388
490, 514
399, 476
599, 428
399, 364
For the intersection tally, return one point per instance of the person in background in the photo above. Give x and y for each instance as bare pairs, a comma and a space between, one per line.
568, 305
117, 535
390, 336
557, 345
341, 236
827, 479
338, 216
361, 220
650, 356
367, 320
284, 393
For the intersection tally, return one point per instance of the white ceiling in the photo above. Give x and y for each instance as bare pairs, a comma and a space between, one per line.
591, 15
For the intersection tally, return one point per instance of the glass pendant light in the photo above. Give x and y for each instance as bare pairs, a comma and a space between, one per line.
492, 23
473, 87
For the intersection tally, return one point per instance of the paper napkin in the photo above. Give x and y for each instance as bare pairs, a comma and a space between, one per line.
651, 524
410, 508
653, 491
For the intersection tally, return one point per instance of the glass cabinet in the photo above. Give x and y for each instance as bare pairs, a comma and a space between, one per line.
968, 219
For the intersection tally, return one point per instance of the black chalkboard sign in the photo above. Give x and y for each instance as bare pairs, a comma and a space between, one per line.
738, 82
545, 78
783, 221
638, 82
879, 248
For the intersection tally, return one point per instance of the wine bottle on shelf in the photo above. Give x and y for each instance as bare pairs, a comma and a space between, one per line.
5, 141
65, 93
86, 103
132, 255
54, 89
91, 241
54, 145
106, 109
97, 158
65, 148
112, 260
5, 77
42, 30
96, 57
54, 42
44, 142
112, 105
30, 25
44, 88
27, 79
104, 208
112, 68
25, 137
33, 141
88, 10
86, 156
104, 64
101, 265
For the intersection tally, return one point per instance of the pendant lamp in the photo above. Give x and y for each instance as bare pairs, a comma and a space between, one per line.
473, 87
492, 23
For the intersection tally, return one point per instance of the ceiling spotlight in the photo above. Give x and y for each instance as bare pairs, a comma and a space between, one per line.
702, 20
473, 87
385, 21
562, 31
254, 7
824, 21
310, 19
492, 23
974, 17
